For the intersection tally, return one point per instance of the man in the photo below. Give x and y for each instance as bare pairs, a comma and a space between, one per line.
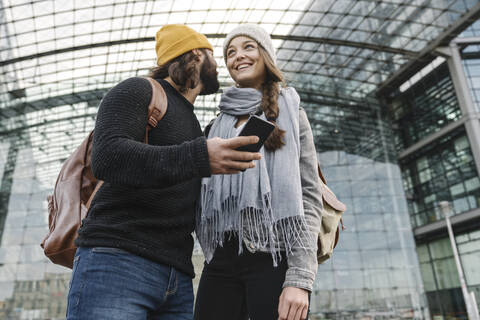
134, 248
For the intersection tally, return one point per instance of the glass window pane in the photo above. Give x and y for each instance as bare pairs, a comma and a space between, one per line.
441, 249
446, 273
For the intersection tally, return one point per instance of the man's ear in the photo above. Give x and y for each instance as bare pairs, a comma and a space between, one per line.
198, 53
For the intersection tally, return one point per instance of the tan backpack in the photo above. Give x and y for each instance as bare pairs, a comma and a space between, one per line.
76, 186
332, 213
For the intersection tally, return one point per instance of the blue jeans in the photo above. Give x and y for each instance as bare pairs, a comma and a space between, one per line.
110, 283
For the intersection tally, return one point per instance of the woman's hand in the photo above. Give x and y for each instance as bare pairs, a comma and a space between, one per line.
293, 304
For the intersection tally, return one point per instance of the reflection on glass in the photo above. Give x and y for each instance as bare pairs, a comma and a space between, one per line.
449, 175
425, 108
471, 65
440, 276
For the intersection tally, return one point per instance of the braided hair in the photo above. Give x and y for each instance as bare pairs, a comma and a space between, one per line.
274, 81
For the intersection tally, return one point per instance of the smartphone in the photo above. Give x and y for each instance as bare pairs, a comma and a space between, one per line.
256, 126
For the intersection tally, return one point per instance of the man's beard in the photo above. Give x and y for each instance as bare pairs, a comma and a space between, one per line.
208, 77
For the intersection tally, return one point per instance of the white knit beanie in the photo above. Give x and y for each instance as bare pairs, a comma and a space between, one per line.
255, 32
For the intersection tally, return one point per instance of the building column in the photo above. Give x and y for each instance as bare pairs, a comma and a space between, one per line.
465, 100
6, 182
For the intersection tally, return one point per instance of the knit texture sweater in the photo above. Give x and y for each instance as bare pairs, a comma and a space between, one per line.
146, 205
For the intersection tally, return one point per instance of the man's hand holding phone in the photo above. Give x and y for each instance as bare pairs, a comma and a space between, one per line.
228, 156
225, 159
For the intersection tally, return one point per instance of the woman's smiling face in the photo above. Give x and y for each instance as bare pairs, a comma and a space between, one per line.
244, 62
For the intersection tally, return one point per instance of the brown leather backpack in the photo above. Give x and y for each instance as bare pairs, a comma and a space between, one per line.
76, 186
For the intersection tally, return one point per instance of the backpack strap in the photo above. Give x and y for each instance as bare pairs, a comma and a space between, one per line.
321, 174
208, 127
158, 106
89, 202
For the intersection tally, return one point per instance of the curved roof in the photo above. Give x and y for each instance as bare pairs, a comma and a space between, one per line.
59, 57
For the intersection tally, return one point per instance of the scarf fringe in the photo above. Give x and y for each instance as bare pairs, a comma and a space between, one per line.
255, 226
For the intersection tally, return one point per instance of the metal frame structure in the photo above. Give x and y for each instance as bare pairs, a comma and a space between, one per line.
325, 48
344, 57
470, 120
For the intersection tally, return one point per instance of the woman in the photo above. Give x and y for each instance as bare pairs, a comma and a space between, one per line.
258, 229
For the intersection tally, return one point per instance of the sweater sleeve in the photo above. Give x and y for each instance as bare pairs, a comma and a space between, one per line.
302, 262
119, 155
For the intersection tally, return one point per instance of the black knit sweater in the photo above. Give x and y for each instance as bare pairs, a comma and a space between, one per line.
147, 203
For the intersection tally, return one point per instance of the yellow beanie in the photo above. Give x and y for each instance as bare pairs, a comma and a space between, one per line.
174, 40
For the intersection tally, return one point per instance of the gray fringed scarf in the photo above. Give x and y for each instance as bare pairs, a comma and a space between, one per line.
263, 204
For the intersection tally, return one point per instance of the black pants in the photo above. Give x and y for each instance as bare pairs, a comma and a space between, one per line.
239, 287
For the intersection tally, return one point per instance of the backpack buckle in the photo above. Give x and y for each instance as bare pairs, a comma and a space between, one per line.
153, 118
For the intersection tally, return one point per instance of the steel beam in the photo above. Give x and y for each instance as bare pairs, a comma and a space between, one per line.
465, 100
427, 55
52, 102
436, 135
336, 42
440, 226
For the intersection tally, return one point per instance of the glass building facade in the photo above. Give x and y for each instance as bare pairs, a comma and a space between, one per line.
425, 108
436, 123
471, 63
374, 271
443, 171
439, 273
394, 125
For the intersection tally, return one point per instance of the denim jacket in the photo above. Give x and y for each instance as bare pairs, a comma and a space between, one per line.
302, 263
